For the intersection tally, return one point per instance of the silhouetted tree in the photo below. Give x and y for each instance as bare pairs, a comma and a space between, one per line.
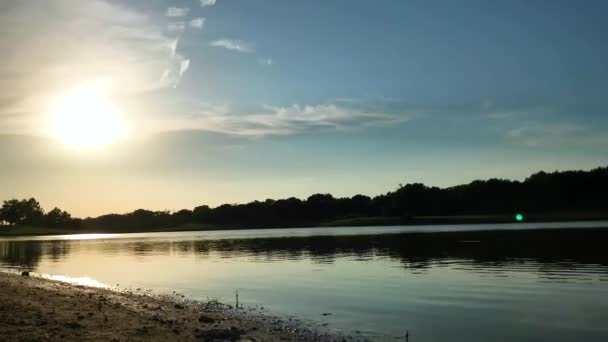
201, 214
181, 217
27, 211
57, 218
568, 191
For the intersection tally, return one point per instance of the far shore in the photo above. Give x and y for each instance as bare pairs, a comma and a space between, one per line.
37, 309
346, 222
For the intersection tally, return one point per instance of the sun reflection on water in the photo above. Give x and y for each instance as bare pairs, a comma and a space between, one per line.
88, 236
82, 281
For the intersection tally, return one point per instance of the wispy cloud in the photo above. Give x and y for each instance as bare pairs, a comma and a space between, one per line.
205, 3
176, 66
197, 23
516, 113
184, 65
266, 61
556, 135
502, 115
174, 74
119, 45
289, 120
179, 26
234, 45
177, 11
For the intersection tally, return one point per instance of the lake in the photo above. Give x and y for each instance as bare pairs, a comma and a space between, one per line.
451, 283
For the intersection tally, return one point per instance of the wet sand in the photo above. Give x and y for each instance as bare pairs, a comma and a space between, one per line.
36, 309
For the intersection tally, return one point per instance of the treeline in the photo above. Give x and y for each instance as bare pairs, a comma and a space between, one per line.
568, 191
29, 212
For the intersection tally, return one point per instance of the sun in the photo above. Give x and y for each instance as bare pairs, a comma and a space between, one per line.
84, 119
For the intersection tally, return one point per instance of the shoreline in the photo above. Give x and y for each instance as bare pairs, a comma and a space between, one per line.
347, 223
33, 308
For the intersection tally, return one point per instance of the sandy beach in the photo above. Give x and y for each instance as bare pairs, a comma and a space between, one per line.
37, 309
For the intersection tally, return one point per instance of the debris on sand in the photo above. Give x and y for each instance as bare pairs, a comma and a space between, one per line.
45, 310
205, 319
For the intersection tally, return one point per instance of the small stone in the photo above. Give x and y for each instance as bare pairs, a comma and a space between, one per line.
73, 325
205, 319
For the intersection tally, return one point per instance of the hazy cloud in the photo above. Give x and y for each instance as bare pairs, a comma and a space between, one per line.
205, 3
179, 26
118, 45
197, 23
506, 114
172, 46
176, 67
234, 45
502, 115
266, 61
177, 12
281, 120
556, 135
184, 66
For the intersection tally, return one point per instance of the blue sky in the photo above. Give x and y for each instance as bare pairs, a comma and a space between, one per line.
231, 101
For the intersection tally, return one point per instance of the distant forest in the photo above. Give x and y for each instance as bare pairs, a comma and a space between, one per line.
542, 192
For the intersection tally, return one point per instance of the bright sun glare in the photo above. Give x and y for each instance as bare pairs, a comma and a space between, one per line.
83, 118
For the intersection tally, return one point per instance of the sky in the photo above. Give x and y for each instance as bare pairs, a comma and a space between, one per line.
228, 101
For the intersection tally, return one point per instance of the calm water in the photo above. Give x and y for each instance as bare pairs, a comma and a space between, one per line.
377, 281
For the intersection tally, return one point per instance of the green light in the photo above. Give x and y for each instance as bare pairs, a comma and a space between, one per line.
519, 217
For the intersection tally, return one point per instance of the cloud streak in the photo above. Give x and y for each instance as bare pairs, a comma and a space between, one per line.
177, 12
206, 3
556, 135
179, 26
184, 65
288, 120
234, 45
197, 23
266, 61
